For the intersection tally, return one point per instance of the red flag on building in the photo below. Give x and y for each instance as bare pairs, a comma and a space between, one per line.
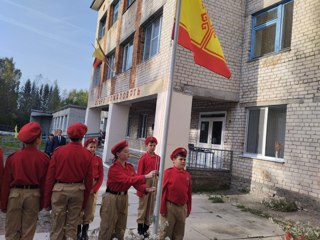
197, 34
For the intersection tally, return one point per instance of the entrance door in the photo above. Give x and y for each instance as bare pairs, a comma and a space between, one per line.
211, 136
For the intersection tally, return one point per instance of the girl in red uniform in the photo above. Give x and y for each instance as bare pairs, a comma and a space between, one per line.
176, 196
97, 172
114, 208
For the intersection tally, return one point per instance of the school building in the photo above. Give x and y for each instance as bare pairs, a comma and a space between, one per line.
262, 124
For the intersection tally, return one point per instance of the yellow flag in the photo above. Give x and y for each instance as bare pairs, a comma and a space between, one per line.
197, 34
98, 54
16, 131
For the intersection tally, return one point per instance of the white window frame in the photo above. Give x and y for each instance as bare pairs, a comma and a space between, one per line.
126, 65
102, 28
110, 66
115, 6
261, 156
143, 132
151, 25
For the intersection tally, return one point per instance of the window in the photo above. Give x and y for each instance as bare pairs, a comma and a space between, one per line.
115, 12
152, 39
271, 31
142, 130
110, 66
127, 56
129, 126
266, 129
128, 3
102, 26
96, 76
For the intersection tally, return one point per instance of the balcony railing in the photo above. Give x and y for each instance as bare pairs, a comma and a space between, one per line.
209, 158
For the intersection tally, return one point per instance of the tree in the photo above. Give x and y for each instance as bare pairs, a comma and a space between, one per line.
25, 103
54, 100
9, 82
75, 97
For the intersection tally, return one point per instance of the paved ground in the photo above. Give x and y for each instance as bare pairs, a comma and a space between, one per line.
221, 221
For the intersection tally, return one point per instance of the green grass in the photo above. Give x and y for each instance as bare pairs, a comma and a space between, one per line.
216, 199
253, 211
281, 205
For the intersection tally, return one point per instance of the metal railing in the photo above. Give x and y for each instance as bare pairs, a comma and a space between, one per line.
209, 158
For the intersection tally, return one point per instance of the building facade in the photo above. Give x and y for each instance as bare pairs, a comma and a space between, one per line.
264, 120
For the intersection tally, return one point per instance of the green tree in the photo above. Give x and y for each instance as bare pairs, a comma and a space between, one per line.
75, 97
55, 99
25, 103
9, 82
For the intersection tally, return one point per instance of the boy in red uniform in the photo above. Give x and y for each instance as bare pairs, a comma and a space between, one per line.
23, 185
1, 171
148, 162
176, 196
68, 184
114, 208
97, 168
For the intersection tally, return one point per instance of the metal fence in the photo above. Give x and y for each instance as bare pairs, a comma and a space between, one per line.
209, 158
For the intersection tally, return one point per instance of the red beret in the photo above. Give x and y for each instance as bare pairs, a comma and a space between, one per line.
178, 150
150, 139
29, 132
119, 146
77, 130
90, 140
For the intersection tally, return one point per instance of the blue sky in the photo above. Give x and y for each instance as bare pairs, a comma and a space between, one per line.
52, 38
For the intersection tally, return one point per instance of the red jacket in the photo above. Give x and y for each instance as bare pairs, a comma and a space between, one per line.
121, 178
176, 188
146, 164
24, 167
69, 163
97, 168
1, 170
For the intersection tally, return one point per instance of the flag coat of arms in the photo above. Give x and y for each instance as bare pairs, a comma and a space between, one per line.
197, 34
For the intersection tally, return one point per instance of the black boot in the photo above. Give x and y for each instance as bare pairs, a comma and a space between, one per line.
79, 232
145, 230
140, 229
85, 232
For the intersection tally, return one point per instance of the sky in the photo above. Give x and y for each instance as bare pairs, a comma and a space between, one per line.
52, 38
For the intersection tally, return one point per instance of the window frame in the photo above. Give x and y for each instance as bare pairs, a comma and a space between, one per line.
278, 21
262, 155
114, 4
143, 126
110, 75
151, 24
104, 17
96, 71
129, 3
126, 47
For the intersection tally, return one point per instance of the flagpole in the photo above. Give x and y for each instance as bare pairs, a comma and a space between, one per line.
166, 121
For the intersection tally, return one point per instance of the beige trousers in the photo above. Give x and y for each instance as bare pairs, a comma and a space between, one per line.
66, 204
146, 204
113, 213
90, 209
22, 213
176, 219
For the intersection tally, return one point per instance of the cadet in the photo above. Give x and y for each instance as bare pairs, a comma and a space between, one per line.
1, 170
114, 208
176, 196
148, 162
68, 184
97, 168
23, 185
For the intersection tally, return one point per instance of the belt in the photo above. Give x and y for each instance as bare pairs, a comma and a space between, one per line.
116, 193
26, 186
59, 181
179, 205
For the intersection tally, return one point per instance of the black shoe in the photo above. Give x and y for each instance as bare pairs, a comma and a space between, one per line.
145, 230
140, 229
79, 233
85, 232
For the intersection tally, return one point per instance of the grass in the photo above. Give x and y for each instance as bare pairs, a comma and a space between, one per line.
281, 205
253, 211
216, 199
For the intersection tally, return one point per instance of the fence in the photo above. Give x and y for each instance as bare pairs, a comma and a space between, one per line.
208, 158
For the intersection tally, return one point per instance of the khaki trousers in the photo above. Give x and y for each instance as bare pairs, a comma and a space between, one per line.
176, 220
113, 213
22, 213
66, 204
146, 204
90, 209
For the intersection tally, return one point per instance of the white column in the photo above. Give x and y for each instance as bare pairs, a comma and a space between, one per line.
116, 127
92, 120
179, 123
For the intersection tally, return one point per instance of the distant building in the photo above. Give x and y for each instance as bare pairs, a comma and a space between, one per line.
267, 115
44, 119
67, 115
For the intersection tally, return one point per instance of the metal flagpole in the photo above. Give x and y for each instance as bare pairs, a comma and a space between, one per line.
166, 121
